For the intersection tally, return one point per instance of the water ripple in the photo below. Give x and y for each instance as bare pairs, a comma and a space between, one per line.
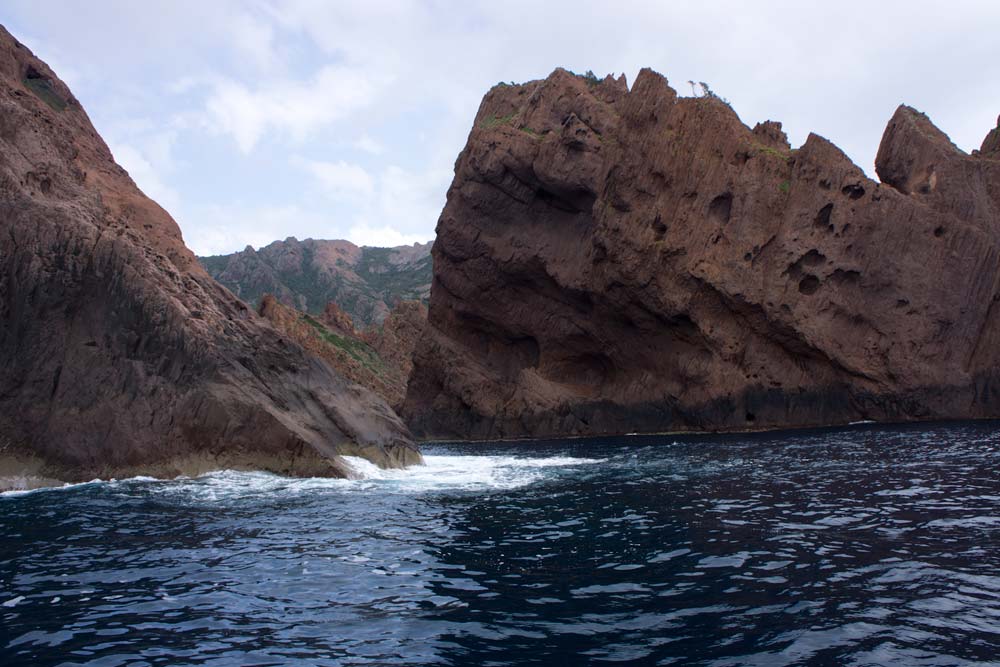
863, 546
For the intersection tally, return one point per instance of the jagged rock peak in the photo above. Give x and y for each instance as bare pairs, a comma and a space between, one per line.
991, 144
919, 160
647, 262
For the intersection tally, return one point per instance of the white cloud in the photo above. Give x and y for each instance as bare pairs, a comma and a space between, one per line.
410, 200
211, 230
402, 201
254, 39
339, 179
368, 145
293, 108
146, 176
383, 237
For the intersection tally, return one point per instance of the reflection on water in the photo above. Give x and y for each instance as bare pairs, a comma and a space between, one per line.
863, 546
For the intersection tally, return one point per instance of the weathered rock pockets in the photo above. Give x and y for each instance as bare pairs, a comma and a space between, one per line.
118, 353
613, 260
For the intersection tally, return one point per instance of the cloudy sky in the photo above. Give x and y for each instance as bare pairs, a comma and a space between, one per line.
256, 120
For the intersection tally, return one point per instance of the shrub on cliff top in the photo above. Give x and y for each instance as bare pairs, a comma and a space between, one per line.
589, 77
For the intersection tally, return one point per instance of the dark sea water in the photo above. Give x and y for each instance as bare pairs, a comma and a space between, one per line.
861, 546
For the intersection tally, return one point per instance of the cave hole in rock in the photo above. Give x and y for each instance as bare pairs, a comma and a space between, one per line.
930, 180
578, 368
809, 284
823, 217
853, 191
721, 208
658, 226
751, 417
812, 258
570, 202
524, 351
842, 277
939, 232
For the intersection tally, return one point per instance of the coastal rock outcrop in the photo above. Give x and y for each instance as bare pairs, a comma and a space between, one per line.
613, 260
118, 353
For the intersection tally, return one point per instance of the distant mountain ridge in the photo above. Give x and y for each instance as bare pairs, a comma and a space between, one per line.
366, 282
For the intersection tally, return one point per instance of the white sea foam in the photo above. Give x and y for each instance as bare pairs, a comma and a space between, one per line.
439, 473
39, 489
228, 485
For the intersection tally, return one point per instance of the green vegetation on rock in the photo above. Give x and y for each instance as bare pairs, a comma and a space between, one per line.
359, 350
43, 89
496, 121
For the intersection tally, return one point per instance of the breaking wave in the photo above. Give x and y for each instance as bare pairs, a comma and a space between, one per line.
439, 473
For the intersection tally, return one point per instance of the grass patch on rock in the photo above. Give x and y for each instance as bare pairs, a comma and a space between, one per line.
357, 349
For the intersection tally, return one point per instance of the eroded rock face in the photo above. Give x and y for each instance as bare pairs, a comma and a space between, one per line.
395, 341
380, 358
118, 353
614, 261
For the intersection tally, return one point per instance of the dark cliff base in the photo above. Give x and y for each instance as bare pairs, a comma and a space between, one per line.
786, 435
754, 411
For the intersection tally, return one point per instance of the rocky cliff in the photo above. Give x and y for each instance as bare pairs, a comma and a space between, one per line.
380, 358
613, 260
118, 353
395, 341
365, 282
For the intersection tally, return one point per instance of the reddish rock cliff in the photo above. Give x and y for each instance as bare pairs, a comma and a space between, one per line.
118, 353
395, 341
613, 261
380, 358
